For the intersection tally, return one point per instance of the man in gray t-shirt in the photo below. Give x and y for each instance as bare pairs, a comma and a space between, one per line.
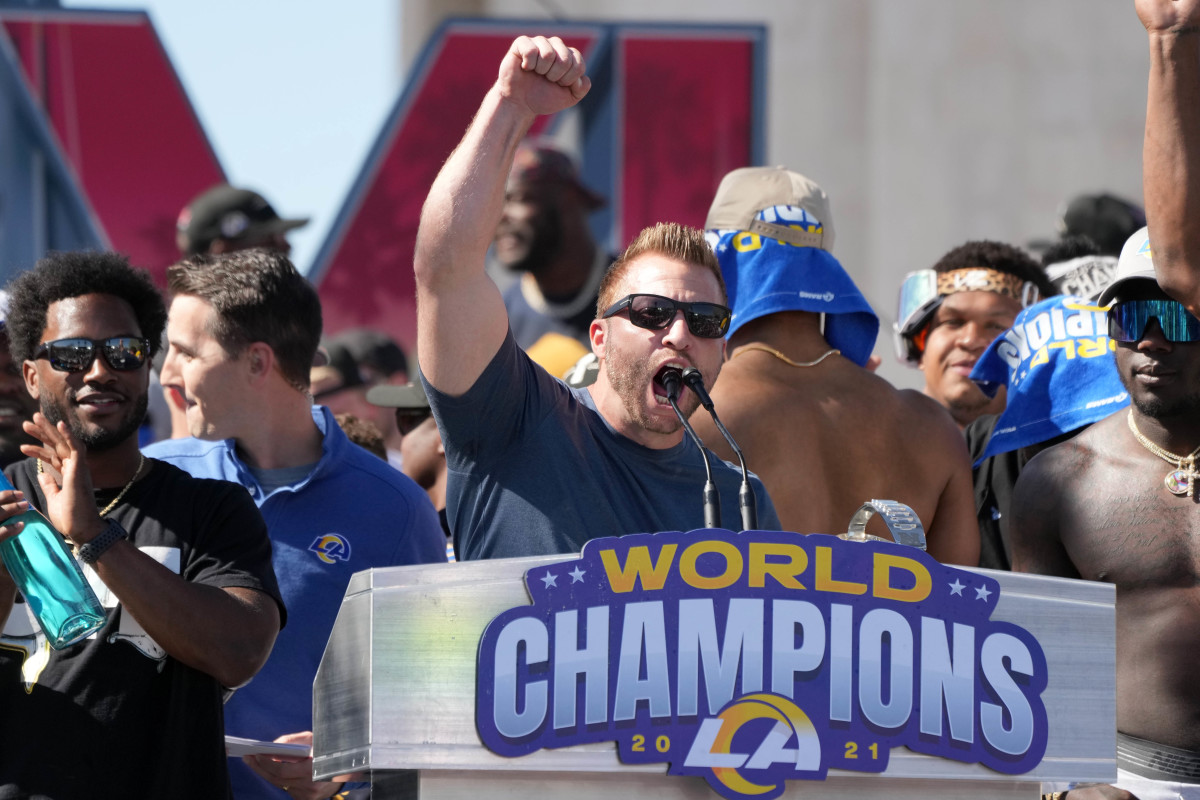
535, 467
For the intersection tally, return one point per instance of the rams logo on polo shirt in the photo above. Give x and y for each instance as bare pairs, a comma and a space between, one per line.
331, 548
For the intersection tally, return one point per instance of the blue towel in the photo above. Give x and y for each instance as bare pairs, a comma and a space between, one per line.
1057, 363
764, 276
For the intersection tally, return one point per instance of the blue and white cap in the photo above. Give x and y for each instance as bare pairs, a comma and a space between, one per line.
772, 231
1056, 361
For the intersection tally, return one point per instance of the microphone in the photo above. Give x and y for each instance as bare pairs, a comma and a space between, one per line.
746, 501
712, 500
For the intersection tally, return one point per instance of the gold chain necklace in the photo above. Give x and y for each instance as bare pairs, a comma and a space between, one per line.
124, 489
766, 349
1182, 479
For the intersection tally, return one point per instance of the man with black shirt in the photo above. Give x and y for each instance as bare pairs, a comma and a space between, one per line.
183, 566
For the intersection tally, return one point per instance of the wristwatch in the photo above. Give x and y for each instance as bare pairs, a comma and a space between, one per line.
112, 533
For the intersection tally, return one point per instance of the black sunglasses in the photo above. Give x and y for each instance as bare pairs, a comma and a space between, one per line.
650, 311
1128, 320
123, 353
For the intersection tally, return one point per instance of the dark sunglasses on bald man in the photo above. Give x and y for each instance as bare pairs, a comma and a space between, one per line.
655, 313
122, 353
1128, 320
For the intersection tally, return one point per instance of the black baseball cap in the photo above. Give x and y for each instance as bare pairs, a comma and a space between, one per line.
339, 371
1104, 218
226, 212
377, 355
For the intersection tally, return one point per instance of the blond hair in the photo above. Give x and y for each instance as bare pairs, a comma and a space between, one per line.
669, 239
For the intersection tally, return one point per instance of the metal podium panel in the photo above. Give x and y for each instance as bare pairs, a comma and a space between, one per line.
439, 785
396, 687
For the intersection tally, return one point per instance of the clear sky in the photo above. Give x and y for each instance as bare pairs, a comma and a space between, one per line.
292, 93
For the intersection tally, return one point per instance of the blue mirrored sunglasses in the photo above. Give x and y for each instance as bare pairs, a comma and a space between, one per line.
1128, 320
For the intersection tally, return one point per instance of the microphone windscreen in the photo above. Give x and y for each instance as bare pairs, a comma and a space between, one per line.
671, 381
693, 378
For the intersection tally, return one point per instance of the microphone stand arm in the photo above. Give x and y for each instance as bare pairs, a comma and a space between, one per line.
712, 499
747, 504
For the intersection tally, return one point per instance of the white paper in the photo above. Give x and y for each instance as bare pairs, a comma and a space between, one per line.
236, 747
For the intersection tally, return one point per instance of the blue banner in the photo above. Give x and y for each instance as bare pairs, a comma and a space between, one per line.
753, 658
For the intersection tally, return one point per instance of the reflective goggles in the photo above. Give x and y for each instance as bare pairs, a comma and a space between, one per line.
1128, 320
923, 291
919, 298
655, 313
122, 353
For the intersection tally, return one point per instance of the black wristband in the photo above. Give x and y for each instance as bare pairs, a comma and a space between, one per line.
112, 533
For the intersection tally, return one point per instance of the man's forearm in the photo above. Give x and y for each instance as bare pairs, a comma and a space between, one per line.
225, 633
461, 321
459, 309
1171, 162
459, 217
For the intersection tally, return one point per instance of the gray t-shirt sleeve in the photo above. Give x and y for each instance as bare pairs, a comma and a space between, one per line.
482, 425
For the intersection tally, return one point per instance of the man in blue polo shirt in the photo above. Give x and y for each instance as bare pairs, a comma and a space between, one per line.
242, 332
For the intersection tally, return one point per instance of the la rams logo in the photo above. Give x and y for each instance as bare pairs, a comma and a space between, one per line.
767, 724
331, 548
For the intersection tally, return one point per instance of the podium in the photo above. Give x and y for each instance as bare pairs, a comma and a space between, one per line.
395, 696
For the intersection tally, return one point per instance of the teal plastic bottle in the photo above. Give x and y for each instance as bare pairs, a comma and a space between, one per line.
50, 579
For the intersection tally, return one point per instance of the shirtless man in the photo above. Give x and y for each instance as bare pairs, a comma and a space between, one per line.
823, 433
1118, 503
1171, 154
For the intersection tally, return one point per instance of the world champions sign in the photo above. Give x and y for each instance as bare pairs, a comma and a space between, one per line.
753, 658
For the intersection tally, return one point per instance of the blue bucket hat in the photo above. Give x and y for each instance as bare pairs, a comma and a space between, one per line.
772, 232
1056, 361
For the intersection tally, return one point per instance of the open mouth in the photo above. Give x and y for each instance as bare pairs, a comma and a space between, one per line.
660, 389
